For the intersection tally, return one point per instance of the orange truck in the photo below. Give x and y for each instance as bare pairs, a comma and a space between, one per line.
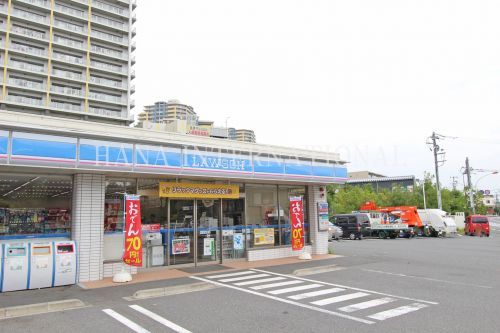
407, 215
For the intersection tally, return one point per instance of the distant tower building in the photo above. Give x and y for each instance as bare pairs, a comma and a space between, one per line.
245, 135
70, 59
168, 112
231, 133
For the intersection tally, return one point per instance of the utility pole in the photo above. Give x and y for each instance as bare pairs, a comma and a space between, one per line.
437, 152
454, 182
469, 184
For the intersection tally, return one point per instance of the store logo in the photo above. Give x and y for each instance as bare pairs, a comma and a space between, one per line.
209, 162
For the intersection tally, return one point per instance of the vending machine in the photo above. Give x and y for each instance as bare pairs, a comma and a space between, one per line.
15, 267
64, 263
42, 265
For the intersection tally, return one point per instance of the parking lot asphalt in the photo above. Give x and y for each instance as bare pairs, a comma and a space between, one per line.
410, 285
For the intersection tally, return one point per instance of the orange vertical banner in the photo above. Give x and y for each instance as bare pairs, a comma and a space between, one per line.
133, 232
297, 220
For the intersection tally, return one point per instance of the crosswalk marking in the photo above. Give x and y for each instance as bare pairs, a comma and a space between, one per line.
366, 305
125, 321
316, 293
292, 289
398, 311
240, 278
274, 285
338, 299
159, 319
246, 283
230, 274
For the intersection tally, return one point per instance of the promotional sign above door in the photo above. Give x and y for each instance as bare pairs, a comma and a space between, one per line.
199, 191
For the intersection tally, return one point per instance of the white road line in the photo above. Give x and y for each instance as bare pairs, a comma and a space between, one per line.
125, 321
275, 298
292, 289
274, 285
246, 283
428, 279
316, 293
346, 287
368, 304
159, 319
229, 274
240, 278
397, 311
338, 299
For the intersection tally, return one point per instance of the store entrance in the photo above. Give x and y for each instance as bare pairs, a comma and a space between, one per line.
194, 231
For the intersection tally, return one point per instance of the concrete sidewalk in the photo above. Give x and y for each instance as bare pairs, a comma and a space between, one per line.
167, 273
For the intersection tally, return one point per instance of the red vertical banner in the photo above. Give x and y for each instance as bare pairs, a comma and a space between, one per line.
297, 220
133, 232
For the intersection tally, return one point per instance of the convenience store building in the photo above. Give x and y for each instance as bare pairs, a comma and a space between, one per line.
66, 179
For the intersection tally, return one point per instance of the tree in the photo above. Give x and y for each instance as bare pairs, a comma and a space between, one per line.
347, 198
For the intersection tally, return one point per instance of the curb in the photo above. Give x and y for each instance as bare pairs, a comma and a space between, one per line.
168, 291
40, 308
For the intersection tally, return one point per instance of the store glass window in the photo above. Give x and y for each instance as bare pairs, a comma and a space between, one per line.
154, 209
284, 193
262, 215
116, 188
32, 205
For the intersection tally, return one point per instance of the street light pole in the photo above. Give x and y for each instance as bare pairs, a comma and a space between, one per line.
475, 186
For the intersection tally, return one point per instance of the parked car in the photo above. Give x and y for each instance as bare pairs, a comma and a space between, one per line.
477, 225
334, 232
351, 224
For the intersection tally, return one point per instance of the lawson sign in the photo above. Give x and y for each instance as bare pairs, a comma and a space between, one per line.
81, 153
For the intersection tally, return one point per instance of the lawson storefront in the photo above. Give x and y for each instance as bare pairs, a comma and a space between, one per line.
202, 200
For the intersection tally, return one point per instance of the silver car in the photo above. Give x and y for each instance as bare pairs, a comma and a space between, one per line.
334, 232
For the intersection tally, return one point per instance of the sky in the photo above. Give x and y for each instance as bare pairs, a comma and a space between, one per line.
368, 79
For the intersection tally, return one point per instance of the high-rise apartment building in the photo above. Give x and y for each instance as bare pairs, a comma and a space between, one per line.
167, 112
68, 58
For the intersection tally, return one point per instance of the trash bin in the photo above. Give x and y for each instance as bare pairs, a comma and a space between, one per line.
42, 265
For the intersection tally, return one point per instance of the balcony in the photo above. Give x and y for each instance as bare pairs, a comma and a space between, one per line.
109, 52
30, 101
107, 98
108, 67
70, 27
67, 75
29, 33
70, 11
30, 16
26, 84
111, 9
38, 3
67, 91
26, 67
66, 106
106, 82
69, 42
109, 37
26, 49
68, 58
109, 23
108, 112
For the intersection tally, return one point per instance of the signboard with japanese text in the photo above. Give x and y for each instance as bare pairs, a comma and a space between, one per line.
199, 191
133, 231
297, 221
156, 227
323, 221
263, 236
